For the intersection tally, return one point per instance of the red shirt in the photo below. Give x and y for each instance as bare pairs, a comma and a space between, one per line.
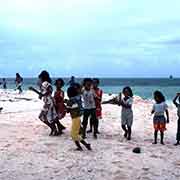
98, 99
59, 102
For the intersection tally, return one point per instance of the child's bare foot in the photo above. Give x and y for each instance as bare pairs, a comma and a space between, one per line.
88, 146
51, 133
162, 143
177, 144
79, 149
55, 133
154, 142
89, 131
125, 134
95, 136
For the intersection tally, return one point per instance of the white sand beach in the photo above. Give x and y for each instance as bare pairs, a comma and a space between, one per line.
28, 153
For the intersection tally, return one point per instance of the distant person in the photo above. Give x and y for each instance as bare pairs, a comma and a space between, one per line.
59, 103
19, 81
4, 83
74, 105
127, 112
89, 107
98, 93
176, 102
159, 120
72, 81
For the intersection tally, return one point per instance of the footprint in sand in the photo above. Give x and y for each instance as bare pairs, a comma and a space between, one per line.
119, 175
21, 139
177, 163
7, 145
50, 144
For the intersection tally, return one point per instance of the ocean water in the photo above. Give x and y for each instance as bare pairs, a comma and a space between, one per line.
143, 87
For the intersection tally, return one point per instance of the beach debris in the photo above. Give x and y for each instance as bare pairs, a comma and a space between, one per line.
137, 150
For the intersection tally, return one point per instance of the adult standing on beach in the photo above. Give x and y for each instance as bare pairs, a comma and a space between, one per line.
19, 81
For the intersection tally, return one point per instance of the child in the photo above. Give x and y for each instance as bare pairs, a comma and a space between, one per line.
159, 108
89, 107
74, 107
48, 115
48, 108
98, 93
59, 103
126, 113
4, 83
19, 81
177, 104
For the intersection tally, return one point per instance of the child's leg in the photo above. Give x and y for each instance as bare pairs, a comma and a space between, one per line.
162, 137
59, 127
43, 118
178, 132
88, 146
53, 127
79, 148
129, 133
85, 122
98, 126
125, 130
95, 122
155, 137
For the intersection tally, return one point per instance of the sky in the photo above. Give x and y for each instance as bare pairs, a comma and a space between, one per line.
99, 38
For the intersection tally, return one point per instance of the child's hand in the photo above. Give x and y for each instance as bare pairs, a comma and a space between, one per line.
66, 101
40, 97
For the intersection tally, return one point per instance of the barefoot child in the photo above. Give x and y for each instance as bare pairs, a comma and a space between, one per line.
159, 120
59, 103
19, 81
127, 112
48, 108
48, 114
177, 104
74, 107
89, 107
98, 93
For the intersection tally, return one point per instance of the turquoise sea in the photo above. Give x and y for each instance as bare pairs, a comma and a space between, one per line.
143, 87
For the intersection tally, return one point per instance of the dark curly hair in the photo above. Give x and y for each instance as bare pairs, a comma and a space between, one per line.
96, 80
59, 80
129, 90
87, 80
44, 76
159, 97
72, 92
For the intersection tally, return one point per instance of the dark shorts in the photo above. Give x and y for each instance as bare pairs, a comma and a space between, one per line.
159, 123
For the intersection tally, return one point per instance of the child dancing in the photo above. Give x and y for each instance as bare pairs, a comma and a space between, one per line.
159, 120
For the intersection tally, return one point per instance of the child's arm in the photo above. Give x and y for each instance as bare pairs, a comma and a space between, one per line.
167, 115
111, 101
175, 100
37, 92
153, 110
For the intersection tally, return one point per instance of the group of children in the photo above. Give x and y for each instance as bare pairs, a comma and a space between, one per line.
85, 100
